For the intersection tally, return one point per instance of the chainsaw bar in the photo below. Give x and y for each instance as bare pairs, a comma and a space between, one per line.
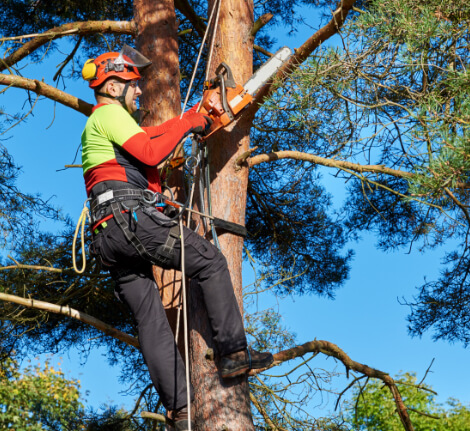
267, 70
223, 99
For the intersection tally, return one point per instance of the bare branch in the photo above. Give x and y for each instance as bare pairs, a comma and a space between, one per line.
155, 416
458, 203
137, 404
186, 9
340, 164
333, 350
75, 314
68, 59
245, 159
73, 28
264, 414
46, 90
262, 50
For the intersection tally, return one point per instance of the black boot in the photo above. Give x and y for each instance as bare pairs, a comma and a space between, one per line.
180, 419
238, 363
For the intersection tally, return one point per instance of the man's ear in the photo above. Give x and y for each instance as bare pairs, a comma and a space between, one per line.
109, 88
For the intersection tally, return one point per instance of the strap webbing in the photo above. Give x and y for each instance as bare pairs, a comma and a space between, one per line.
130, 236
164, 254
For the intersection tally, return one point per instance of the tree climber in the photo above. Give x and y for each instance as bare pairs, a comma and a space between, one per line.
130, 234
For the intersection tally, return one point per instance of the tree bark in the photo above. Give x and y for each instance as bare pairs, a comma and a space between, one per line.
157, 40
225, 404
161, 100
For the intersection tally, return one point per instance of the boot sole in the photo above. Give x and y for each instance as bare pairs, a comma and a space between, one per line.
235, 373
245, 368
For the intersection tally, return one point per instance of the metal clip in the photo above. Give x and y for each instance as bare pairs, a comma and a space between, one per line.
192, 162
149, 198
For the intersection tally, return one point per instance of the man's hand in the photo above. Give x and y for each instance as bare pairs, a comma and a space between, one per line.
200, 123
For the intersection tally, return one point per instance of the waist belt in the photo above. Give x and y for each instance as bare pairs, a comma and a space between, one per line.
130, 199
111, 203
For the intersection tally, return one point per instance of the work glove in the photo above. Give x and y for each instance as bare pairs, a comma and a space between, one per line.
200, 123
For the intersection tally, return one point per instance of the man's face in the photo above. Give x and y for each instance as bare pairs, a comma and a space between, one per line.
116, 88
133, 92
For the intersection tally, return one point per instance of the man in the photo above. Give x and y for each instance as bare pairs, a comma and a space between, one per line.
120, 161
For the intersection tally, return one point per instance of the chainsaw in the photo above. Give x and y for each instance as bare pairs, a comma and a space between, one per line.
223, 99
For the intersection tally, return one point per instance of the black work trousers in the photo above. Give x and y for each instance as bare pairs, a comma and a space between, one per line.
136, 287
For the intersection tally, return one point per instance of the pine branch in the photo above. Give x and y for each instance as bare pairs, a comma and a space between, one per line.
245, 159
260, 23
302, 53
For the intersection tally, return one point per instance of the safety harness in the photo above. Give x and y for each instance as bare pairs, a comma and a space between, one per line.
115, 202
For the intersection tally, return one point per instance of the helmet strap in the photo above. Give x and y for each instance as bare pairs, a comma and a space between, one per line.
121, 99
99, 93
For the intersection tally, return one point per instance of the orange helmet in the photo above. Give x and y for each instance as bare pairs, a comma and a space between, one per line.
124, 65
98, 70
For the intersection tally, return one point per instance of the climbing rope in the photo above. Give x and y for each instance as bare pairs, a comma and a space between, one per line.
185, 324
215, 7
184, 301
81, 224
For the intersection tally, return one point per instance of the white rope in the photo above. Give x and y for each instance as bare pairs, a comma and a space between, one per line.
209, 60
216, 4
80, 224
185, 321
215, 7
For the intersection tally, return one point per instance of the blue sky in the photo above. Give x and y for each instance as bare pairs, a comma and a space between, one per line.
365, 320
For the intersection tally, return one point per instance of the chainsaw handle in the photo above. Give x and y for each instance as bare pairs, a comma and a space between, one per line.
223, 97
229, 81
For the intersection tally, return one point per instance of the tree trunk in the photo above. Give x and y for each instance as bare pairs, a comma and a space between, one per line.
218, 404
225, 404
158, 41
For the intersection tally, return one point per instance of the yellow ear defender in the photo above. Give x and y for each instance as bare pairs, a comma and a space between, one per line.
89, 70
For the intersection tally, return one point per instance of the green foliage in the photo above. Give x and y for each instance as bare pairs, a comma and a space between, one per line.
442, 304
290, 223
38, 398
41, 398
393, 96
373, 408
114, 419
